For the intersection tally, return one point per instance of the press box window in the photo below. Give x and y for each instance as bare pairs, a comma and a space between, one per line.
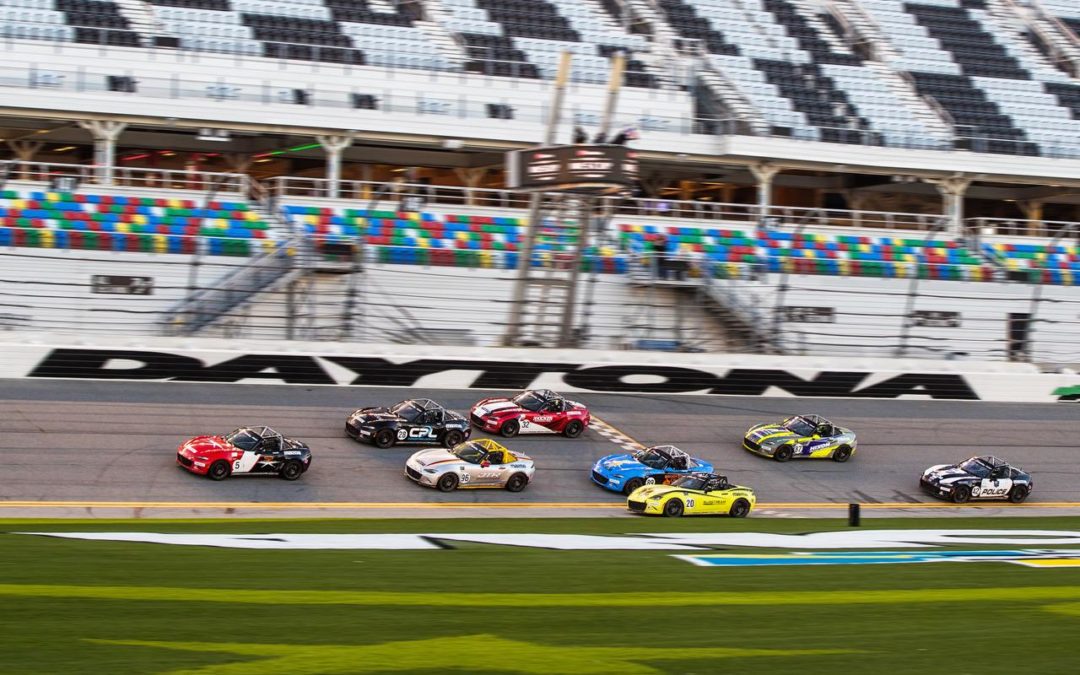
365, 102
500, 111
122, 83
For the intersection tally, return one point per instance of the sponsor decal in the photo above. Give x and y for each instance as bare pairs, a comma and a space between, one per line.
1068, 393
682, 541
112, 364
1042, 558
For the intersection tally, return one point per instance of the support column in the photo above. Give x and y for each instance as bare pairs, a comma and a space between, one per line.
105, 133
764, 173
24, 152
472, 179
952, 191
237, 162
334, 146
1033, 212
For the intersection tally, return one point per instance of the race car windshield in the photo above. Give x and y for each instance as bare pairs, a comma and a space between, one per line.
529, 401
469, 453
652, 458
407, 410
244, 439
976, 467
690, 483
799, 426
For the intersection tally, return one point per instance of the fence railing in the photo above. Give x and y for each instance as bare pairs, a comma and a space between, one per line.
135, 177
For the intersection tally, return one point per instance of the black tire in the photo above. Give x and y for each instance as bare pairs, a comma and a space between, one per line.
292, 470
961, 494
453, 437
219, 470
1019, 493
573, 429
783, 453
448, 482
674, 508
842, 454
517, 482
384, 438
510, 428
740, 509
632, 484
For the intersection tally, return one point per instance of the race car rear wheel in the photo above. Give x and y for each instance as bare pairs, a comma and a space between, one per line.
961, 494
448, 482
510, 428
842, 454
292, 470
674, 508
1019, 493
573, 429
452, 438
739, 509
219, 470
383, 438
517, 482
632, 484
783, 453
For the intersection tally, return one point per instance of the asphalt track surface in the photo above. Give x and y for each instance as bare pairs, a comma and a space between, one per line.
107, 449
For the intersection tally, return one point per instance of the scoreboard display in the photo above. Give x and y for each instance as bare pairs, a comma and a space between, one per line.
588, 169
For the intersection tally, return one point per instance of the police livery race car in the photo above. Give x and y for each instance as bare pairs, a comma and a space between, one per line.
693, 495
627, 472
981, 478
536, 411
480, 463
247, 450
801, 436
413, 421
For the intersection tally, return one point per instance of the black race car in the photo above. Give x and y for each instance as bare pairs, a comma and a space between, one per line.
980, 478
414, 421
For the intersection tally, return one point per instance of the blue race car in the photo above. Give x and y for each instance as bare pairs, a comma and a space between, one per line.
627, 472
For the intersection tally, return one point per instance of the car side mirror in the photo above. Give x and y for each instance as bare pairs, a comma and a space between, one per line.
485, 464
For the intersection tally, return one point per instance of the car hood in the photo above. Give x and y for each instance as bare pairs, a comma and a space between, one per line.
623, 463
368, 415
647, 491
434, 456
496, 406
945, 473
769, 432
207, 444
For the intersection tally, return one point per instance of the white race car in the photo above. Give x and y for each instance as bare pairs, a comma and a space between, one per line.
480, 463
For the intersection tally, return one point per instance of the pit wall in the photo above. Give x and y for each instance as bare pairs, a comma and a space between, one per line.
46, 356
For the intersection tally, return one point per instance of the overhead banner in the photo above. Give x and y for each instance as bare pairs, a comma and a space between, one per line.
497, 372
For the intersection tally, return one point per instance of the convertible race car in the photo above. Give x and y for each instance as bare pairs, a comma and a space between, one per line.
480, 463
253, 450
627, 472
696, 494
801, 436
413, 421
536, 411
979, 478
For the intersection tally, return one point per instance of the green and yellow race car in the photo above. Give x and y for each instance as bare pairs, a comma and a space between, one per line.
693, 495
799, 437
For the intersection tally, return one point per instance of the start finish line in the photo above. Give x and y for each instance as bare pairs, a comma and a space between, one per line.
684, 542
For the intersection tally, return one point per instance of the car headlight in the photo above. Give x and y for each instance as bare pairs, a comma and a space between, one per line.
653, 498
431, 471
203, 459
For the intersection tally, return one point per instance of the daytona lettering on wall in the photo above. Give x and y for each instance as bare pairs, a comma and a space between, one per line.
493, 374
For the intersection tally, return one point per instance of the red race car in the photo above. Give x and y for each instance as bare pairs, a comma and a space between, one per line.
252, 450
536, 411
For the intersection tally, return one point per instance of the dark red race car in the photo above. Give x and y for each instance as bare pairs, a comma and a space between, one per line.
536, 411
250, 450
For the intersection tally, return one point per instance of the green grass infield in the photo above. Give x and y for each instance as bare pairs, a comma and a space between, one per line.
77, 606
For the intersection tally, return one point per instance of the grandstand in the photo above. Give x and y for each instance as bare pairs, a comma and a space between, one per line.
852, 176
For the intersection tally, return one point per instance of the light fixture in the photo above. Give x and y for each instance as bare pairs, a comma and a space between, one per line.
208, 134
65, 148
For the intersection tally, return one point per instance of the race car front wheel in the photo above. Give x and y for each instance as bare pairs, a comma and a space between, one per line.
633, 484
842, 454
452, 438
961, 494
219, 470
292, 470
517, 482
447, 482
674, 508
1018, 494
573, 429
383, 438
783, 453
739, 509
510, 428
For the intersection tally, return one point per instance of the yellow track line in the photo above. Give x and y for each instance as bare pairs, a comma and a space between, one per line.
494, 505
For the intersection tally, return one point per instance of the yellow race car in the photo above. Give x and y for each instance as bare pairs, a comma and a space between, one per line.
696, 494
